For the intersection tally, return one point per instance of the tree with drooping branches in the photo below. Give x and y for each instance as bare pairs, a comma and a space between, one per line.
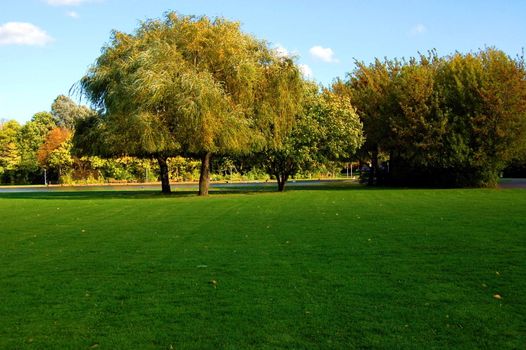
181, 85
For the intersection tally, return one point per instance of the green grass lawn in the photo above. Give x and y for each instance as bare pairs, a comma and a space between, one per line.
321, 267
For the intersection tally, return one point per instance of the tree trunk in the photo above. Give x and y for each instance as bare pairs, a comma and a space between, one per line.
204, 176
282, 179
165, 178
280, 185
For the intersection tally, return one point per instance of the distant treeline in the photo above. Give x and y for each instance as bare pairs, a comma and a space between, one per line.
187, 98
45, 143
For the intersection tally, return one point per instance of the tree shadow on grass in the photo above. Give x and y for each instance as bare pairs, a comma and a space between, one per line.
90, 195
216, 190
186, 191
130, 194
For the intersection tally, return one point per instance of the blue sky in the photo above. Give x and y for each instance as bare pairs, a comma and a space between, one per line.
47, 45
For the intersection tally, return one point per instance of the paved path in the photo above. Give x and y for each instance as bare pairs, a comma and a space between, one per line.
512, 183
157, 186
504, 183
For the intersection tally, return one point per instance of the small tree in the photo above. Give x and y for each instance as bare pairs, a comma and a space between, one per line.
326, 129
279, 103
32, 135
55, 152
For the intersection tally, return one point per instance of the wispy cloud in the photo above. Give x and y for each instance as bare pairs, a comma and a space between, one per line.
306, 71
72, 14
21, 33
68, 2
281, 51
323, 53
418, 29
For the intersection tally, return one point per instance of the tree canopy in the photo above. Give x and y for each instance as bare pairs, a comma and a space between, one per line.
326, 129
32, 135
55, 153
66, 112
456, 120
182, 85
9, 149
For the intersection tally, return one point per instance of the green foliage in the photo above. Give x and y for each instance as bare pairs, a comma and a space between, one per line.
9, 148
121, 128
91, 139
183, 169
485, 97
326, 129
280, 99
67, 113
32, 136
457, 120
369, 91
331, 128
182, 84
55, 153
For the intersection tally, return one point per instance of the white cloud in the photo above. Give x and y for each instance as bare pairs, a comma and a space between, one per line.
20, 33
67, 2
323, 53
306, 71
418, 29
72, 14
281, 51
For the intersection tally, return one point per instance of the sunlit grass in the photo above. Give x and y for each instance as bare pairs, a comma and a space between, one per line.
324, 267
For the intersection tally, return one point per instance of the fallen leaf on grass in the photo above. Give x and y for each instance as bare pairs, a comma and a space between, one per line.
497, 296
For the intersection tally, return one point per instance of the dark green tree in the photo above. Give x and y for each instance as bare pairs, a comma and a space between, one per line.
370, 88
484, 99
453, 121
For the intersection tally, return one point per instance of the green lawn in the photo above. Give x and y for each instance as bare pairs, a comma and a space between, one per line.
319, 267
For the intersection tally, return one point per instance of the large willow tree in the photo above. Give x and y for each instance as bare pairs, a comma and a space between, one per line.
129, 121
181, 85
